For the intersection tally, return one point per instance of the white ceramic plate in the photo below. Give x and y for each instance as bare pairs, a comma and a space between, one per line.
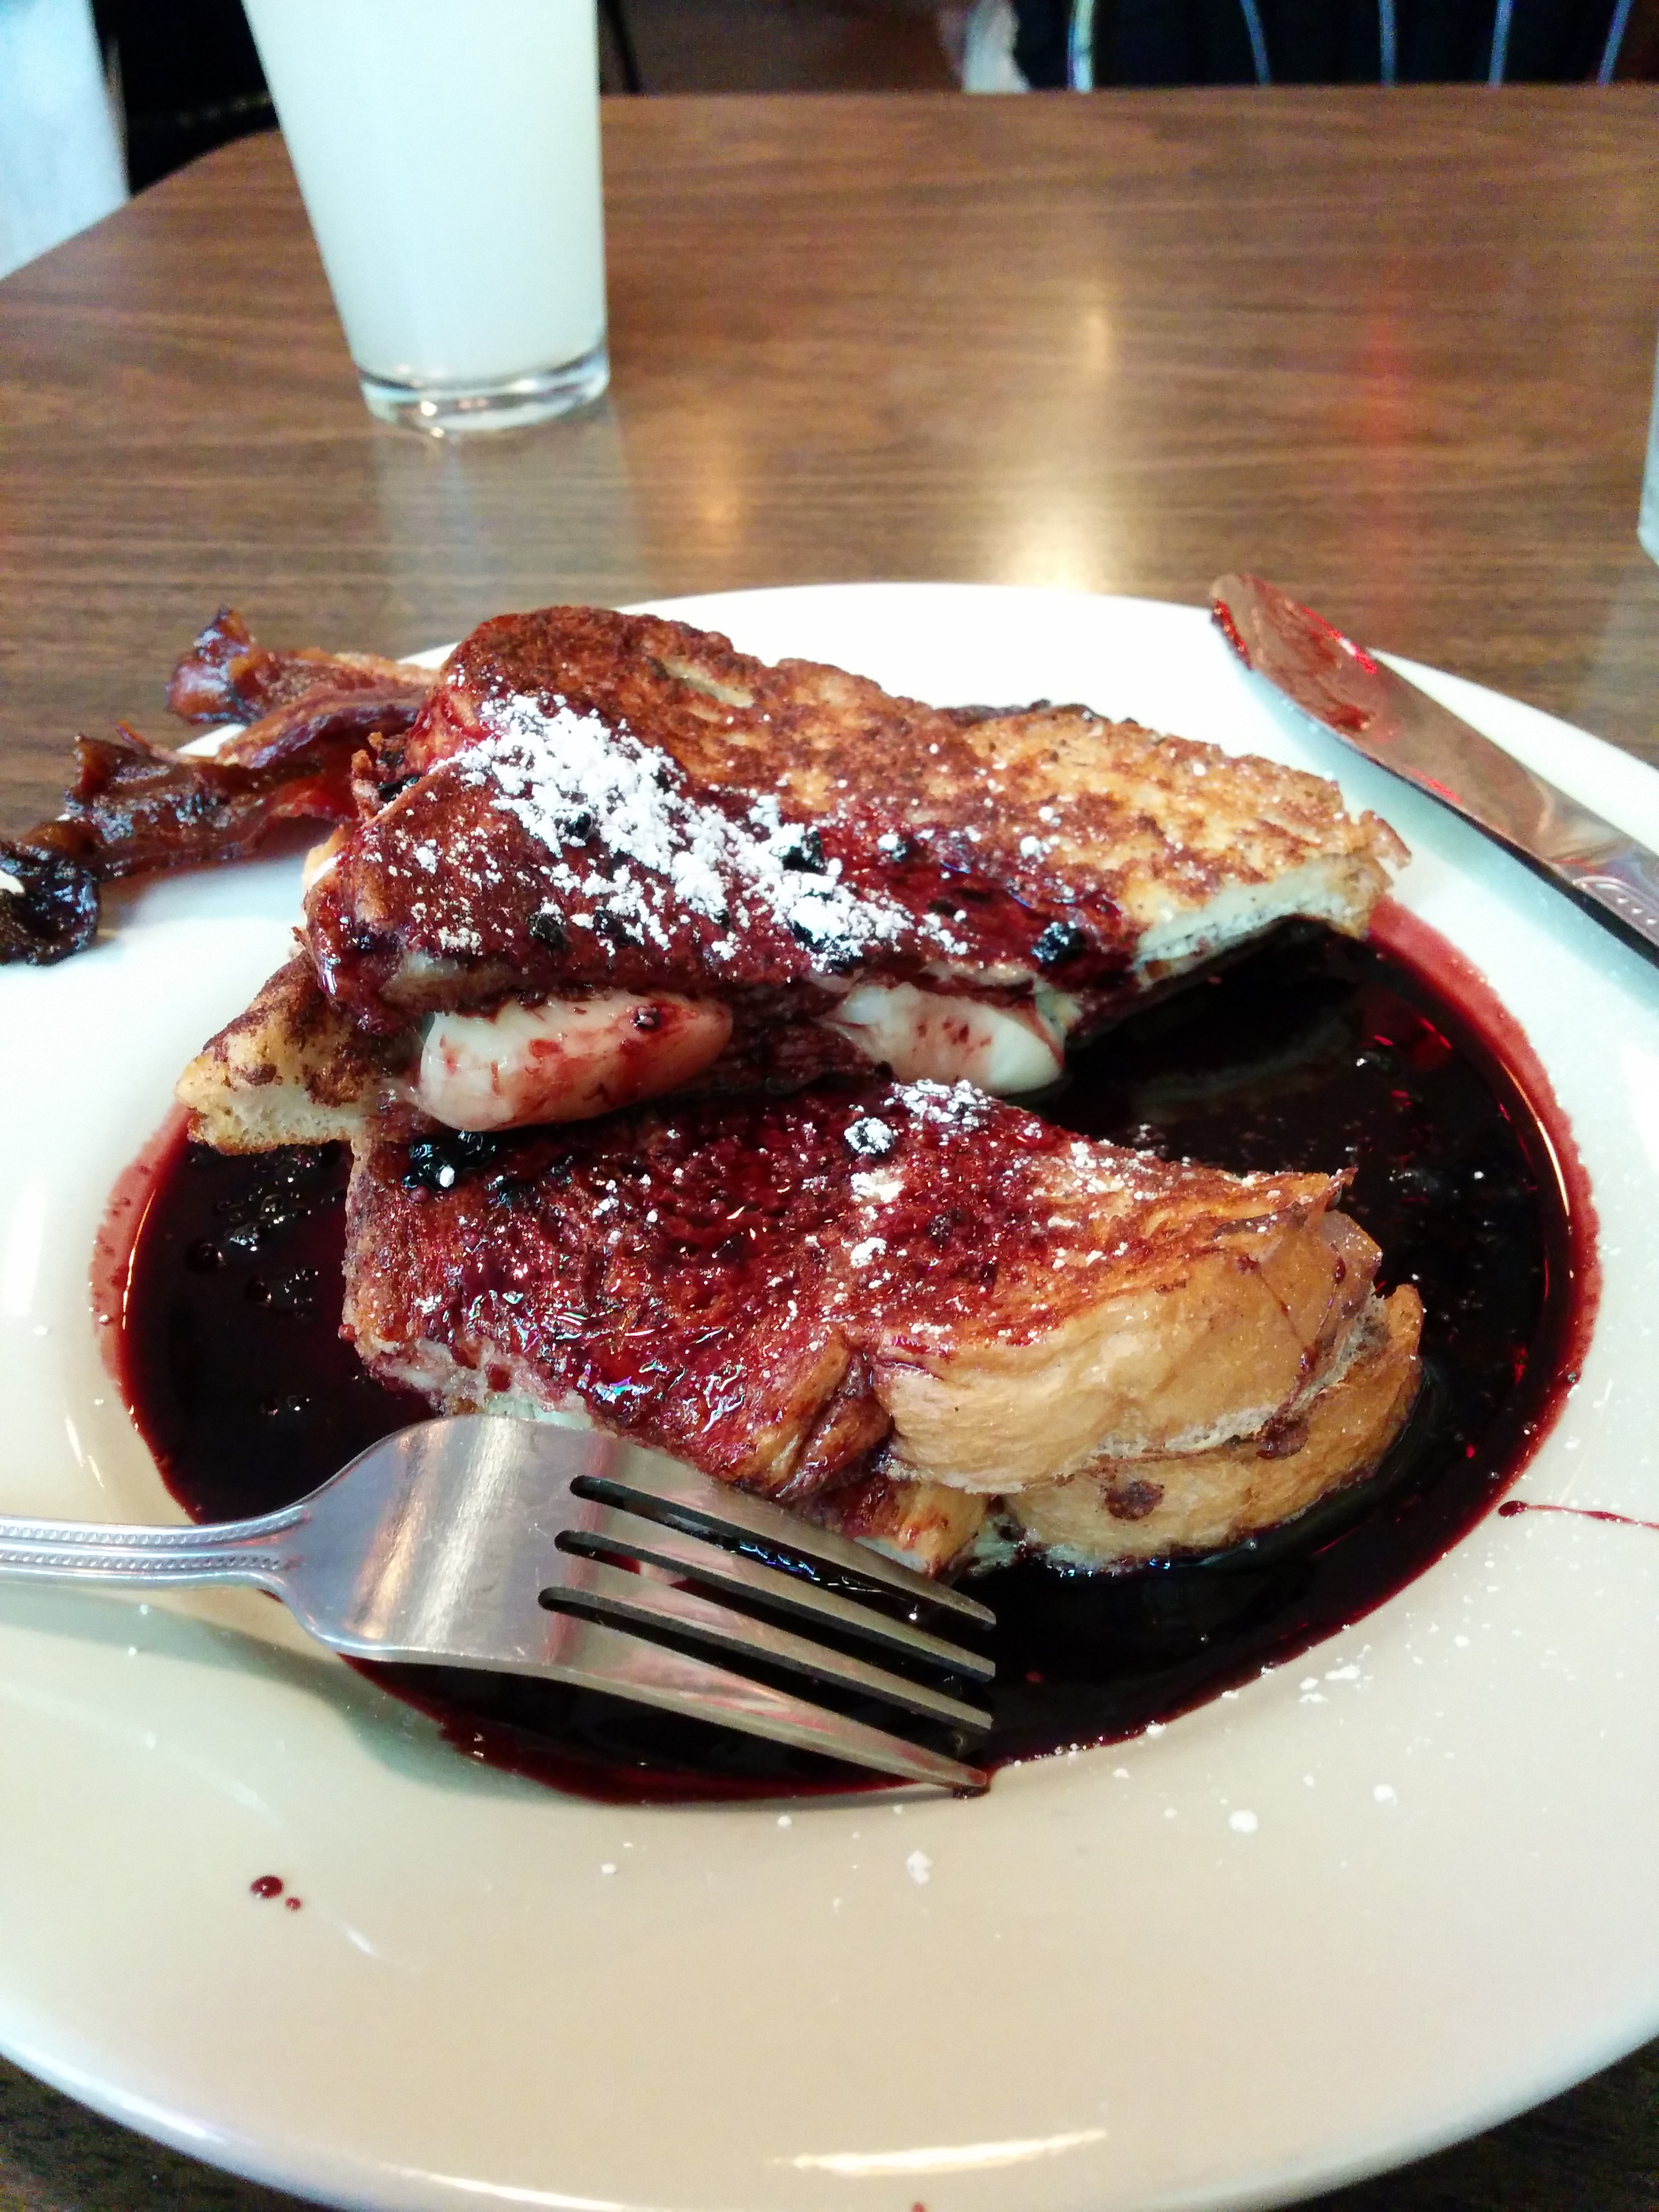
1382, 1897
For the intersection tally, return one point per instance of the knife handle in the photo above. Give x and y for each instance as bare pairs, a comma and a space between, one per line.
1622, 886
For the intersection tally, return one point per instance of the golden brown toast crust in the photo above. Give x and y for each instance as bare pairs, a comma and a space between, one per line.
1118, 856
772, 1289
289, 1070
1140, 819
1115, 1512
929, 1526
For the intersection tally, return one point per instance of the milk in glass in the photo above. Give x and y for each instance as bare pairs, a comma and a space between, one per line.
449, 154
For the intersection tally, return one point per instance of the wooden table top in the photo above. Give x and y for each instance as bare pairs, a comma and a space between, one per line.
1393, 350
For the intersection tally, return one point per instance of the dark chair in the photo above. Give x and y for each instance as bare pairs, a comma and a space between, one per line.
1085, 43
190, 79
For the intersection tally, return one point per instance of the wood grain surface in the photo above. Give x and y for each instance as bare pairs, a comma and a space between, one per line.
1395, 351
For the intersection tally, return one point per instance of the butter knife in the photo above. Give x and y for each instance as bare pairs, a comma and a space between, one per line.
1380, 715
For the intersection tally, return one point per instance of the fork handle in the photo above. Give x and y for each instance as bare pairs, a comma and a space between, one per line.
258, 1551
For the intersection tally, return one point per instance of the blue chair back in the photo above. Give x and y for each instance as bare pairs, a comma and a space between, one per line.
1085, 43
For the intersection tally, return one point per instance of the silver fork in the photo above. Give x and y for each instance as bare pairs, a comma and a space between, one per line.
519, 1547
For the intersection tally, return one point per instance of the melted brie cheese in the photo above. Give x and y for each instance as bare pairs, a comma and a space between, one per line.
567, 1060
927, 1035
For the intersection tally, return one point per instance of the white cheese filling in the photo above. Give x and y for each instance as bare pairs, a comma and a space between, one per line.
567, 1060
924, 1035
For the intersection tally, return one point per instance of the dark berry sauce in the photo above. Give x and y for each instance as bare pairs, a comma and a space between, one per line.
1392, 1057
1511, 1506
228, 1329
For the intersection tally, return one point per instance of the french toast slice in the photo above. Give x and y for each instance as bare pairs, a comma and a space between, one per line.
290, 1069
895, 1306
616, 810
293, 1068
1118, 1511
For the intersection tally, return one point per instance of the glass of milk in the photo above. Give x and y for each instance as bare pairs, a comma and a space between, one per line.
449, 154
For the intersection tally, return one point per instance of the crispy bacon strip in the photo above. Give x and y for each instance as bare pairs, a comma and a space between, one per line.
226, 677
135, 806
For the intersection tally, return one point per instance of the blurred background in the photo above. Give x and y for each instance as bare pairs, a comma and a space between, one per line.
99, 97
189, 79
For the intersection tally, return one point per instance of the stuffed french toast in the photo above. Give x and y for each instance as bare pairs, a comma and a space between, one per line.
663, 997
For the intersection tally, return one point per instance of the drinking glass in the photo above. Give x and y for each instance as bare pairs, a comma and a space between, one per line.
448, 155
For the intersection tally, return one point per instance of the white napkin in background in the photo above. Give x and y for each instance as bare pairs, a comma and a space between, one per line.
61, 164
979, 40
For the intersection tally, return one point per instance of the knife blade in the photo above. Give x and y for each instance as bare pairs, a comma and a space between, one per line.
1353, 694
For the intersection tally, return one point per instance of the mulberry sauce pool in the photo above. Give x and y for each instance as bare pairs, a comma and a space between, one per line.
1392, 1057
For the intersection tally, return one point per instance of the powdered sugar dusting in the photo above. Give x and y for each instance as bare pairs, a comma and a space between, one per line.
870, 1138
630, 850
960, 1106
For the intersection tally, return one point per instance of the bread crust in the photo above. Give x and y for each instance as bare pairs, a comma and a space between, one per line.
900, 1281
904, 1308
1101, 857
289, 1070
1115, 1512
773, 838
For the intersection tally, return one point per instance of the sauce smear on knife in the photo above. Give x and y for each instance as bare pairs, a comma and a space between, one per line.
223, 1279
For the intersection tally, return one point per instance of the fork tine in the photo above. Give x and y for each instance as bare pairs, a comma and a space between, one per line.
596, 1657
639, 1479
623, 1535
620, 1598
